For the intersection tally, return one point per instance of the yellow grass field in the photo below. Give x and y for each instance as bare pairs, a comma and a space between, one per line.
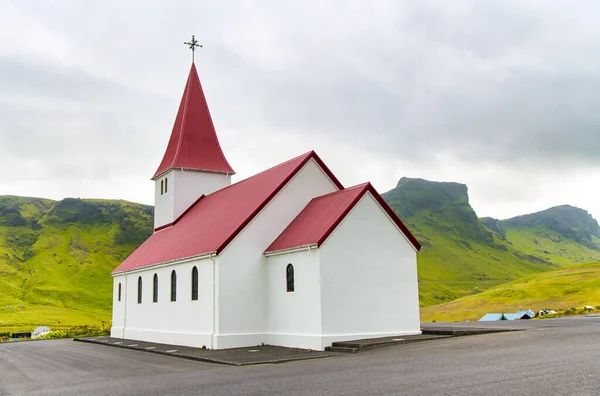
576, 286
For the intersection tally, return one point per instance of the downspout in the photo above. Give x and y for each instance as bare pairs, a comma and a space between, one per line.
214, 315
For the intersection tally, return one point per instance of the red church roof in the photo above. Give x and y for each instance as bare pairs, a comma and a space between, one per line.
214, 220
193, 143
323, 214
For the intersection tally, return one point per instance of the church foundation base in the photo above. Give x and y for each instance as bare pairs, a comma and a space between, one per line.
229, 341
197, 340
327, 340
320, 342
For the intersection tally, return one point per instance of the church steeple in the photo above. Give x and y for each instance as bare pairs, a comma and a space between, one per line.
193, 164
193, 144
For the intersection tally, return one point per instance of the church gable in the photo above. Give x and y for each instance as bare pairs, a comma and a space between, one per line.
369, 275
323, 214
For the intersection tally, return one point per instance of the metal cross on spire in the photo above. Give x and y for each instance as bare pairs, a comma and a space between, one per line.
192, 45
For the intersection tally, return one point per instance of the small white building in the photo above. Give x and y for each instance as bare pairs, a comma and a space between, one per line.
286, 257
40, 331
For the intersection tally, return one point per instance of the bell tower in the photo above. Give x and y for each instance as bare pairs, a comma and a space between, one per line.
194, 163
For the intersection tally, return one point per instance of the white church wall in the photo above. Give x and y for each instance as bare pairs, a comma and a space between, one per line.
188, 186
294, 318
242, 291
183, 189
118, 311
368, 278
180, 322
163, 203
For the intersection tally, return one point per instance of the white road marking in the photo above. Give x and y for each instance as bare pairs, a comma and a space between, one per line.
118, 343
172, 350
397, 339
150, 347
132, 345
253, 350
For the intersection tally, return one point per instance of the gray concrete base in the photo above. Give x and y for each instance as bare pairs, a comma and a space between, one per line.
370, 343
453, 331
235, 357
275, 354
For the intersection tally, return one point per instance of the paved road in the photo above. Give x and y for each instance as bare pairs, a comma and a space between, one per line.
553, 357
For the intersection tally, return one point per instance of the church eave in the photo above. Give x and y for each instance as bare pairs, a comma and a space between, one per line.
167, 263
184, 169
292, 249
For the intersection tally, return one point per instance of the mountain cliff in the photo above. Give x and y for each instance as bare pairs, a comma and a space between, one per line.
465, 255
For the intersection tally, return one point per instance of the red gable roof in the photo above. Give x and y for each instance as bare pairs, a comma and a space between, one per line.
323, 214
214, 220
193, 143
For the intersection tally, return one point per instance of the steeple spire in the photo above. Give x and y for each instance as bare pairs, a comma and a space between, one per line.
194, 144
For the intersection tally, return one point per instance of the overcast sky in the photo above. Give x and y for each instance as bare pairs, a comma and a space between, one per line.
503, 96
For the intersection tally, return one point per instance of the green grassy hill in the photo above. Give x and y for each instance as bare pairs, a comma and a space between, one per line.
56, 257
564, 288
465, 255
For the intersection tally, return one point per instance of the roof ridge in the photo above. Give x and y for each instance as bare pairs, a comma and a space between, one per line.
345, 190
307, 154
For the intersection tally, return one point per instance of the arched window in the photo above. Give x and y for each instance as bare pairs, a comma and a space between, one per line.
155, 289
162, 187
166, 185
139, 290
194, 284
173, 286
289, 276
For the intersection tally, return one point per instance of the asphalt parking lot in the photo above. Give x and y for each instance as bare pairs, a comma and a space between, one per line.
553, 357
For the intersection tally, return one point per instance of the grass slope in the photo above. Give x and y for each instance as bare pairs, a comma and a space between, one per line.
563, 288
56, 257
464, 255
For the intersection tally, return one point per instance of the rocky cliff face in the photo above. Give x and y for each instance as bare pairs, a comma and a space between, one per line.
444, 205
568, 221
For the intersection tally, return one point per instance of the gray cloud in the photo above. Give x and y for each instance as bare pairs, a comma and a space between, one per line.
506, 83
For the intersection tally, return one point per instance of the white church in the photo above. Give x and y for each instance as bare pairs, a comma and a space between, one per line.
286, 257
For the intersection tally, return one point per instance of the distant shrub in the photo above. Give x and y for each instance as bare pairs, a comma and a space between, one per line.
77, 331
53, 334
